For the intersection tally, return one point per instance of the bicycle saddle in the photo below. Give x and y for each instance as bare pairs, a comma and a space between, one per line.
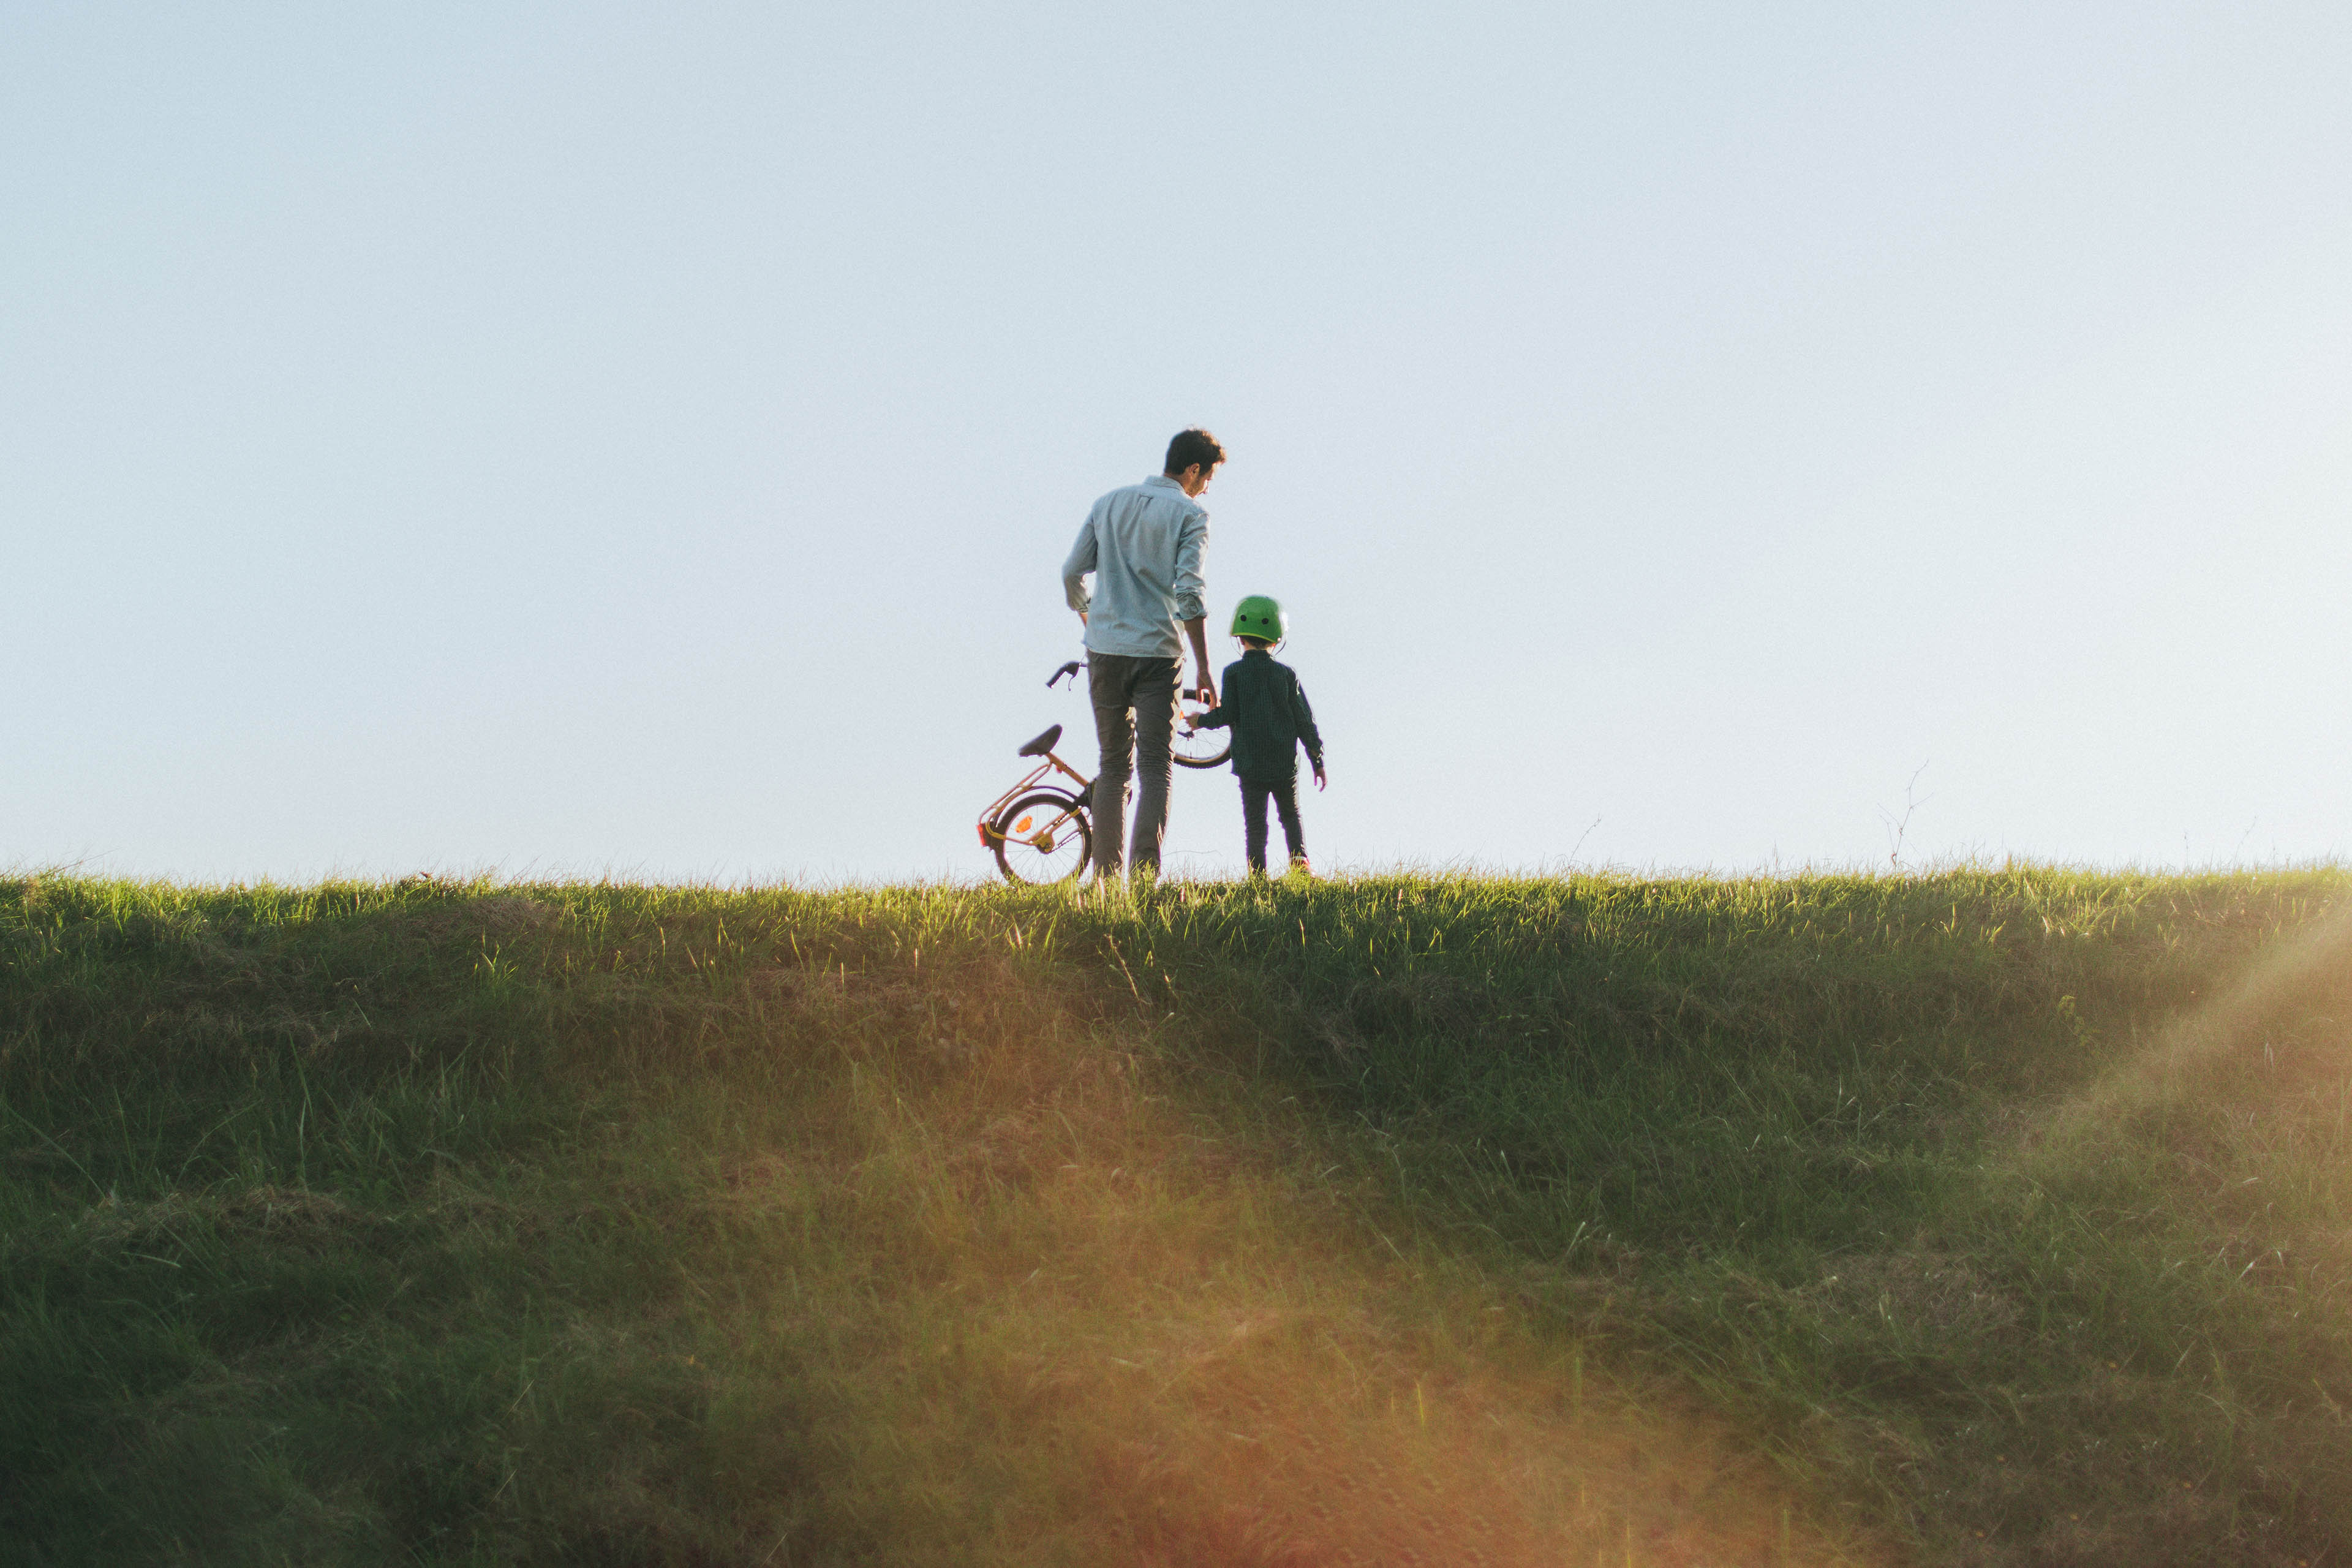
1043, 744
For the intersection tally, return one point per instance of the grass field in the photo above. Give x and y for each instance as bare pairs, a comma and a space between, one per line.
1985, 1217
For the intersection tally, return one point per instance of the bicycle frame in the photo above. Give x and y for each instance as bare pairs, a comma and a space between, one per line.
1052, 765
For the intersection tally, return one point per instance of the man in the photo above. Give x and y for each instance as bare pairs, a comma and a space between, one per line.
1143, 546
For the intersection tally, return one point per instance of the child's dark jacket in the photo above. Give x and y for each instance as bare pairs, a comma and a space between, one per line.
1267, 709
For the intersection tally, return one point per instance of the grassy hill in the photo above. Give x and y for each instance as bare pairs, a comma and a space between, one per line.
1991, 1218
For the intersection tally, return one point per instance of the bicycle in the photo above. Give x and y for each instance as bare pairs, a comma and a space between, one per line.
1044, 836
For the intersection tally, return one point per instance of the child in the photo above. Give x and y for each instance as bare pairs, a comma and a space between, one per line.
1262, 702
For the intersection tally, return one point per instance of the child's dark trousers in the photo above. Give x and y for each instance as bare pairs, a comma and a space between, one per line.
1285, 796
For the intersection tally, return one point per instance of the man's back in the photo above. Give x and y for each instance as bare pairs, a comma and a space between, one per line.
1143, 542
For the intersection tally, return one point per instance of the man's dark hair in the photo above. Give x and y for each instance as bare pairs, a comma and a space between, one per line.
1190, 447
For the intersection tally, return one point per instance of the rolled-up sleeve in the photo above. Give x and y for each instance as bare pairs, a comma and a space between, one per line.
1191, 542
1075, 569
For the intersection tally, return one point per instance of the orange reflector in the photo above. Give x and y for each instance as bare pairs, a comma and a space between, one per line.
1023, 825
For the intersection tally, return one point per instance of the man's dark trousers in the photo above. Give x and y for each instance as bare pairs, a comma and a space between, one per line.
1134, 723
1285, 796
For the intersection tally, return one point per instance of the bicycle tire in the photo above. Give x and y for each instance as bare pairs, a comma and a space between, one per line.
1036, 836
1201, 748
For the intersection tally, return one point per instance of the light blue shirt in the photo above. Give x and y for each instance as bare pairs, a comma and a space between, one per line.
1143, 544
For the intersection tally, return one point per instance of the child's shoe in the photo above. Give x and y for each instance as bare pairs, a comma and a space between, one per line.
1298, 865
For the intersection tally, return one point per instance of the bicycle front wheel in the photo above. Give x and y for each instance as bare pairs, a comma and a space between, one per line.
1199, 748
1043, 838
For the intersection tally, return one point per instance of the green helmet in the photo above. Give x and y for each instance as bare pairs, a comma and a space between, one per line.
1260, 616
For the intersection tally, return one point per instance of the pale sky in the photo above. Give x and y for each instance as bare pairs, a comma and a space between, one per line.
644, 440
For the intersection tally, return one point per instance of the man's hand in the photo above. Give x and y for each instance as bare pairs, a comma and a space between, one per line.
1318, 775
1208, 689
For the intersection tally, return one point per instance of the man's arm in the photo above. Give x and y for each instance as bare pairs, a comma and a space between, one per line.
1074, 570
1197, 628
1192, 542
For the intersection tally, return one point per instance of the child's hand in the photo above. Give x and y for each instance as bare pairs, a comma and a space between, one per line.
1318, 775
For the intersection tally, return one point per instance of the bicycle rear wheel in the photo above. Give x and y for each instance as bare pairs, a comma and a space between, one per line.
1043, 838
1201, 748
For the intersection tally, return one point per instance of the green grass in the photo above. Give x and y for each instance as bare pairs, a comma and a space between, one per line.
1993, 1217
